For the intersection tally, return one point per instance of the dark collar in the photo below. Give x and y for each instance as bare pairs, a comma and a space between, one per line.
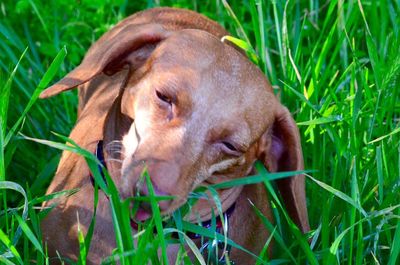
100, 156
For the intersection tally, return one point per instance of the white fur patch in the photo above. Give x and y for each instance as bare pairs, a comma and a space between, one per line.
221, 165
130, 141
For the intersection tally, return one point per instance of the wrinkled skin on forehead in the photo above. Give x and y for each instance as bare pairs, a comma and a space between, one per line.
212, 101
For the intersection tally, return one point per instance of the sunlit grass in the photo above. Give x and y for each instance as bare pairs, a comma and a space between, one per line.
334, 64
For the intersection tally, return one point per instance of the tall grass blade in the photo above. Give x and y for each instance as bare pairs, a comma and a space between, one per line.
16, 187
244, 46
5, 95
258, 179
379, 168
189, 242
322, 120
241, 32
82, 244
157, 217
395, 131
90, 158
395, 249
13, 252
29, 234
2, 160
48, 76
211, 234
339, 194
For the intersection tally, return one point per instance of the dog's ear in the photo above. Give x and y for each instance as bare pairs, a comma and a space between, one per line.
130, 45
280, 150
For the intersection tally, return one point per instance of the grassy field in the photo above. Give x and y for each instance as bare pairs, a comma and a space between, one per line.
335, 64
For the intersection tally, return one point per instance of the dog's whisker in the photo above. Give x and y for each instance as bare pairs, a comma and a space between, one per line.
114, 160
112, 147
120, 152
116, 141
115, 152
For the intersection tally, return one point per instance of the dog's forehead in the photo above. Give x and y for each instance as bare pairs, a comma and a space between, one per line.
201, 57
222, 81
188, 48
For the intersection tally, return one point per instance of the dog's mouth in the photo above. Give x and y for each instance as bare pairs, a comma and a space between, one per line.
201, 211
142, 214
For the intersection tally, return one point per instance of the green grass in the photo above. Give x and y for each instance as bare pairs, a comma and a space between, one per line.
335, 64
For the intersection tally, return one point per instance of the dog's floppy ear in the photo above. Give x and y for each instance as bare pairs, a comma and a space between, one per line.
129, 45
280, 150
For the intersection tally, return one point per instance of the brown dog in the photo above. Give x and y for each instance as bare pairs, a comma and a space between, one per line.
194, 110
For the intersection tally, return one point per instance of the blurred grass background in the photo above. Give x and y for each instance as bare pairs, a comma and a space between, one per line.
335, 64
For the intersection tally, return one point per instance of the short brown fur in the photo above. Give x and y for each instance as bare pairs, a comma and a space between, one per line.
163, 84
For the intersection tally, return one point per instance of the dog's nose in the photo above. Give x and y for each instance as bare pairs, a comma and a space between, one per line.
163, 204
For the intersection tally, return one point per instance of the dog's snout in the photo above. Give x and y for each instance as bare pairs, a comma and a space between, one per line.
144, 190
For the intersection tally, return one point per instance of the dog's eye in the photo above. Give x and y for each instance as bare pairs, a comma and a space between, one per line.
230, 149
163, 97
229, 146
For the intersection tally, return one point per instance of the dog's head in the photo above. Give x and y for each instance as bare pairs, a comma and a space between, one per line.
194, 111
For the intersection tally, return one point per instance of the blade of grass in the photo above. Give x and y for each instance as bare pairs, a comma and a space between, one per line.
335, 245
395, 249
53, 196
157, 217
303, 243
82, 244
210, 234
258, 179
395, 131
88, 238
244, 46
6, 261
355, 196
42, 21
13, 251
264, 251
339, 194
379, 168
29, 234
279, 36
16, 187
90, 158
48, 76
322, 120
242, 34
5, 96
189, 242
360, 246
2, 162
278, 238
